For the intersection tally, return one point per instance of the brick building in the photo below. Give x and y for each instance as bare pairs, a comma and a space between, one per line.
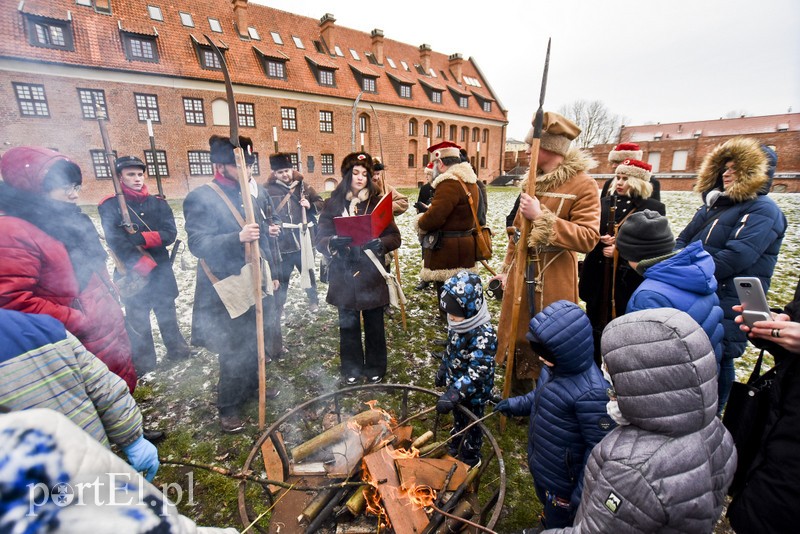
296, 79
676, 150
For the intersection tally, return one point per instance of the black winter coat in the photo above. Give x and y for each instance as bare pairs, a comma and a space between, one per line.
289, 210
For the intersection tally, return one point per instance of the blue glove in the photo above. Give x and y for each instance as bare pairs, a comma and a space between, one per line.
504, 407
448, 401
143, 457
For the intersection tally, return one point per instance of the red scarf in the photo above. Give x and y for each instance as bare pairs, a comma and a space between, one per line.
134, 195
224, 180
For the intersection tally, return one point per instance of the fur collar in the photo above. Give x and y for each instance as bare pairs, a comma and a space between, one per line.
751, 170
576, 161
355, 200
461, 170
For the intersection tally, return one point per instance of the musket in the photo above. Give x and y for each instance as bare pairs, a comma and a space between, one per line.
395, 254
155, 159
521, 253
111, 159
252, 249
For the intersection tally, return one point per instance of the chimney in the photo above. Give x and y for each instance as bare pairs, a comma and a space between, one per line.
455, 66
326, 31
425, 57
240, 16
377, 45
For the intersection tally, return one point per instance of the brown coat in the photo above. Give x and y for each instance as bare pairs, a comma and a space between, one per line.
450, 212
569, 223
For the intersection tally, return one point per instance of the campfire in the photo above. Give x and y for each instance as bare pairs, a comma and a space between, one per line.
365, 471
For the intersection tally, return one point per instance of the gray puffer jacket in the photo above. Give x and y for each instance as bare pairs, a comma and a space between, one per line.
668, 470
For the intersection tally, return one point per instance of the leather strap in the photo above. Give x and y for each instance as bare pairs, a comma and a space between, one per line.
238, 216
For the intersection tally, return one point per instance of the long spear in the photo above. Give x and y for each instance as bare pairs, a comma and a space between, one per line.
155, 158
252, 249
383, 185
521, 253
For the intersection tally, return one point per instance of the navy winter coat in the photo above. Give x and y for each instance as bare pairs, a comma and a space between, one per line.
685, 282
568, 406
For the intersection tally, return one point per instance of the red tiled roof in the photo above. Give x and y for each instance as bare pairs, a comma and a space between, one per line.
433, 84
322, 61
482, 95
44, 8
364, 70
202, 41
137, 27
402, 78
270, 52
458, 90
713, 128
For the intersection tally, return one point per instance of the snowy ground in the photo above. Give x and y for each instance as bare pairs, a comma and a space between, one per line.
179, 397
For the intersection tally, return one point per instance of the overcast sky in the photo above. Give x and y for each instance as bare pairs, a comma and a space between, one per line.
648, 61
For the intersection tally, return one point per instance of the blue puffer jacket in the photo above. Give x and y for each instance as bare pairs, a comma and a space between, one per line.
742, 228
568, 407
685, 282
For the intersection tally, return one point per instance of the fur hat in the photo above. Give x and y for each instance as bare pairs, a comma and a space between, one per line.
280, 161
428, 170
377, 165
25, 167
558, 132
646, 234
357, 158
625, 151
445, 149
638, 174
222, 150
129, 161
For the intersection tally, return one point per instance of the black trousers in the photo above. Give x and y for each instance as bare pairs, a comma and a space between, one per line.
137, 324
467, 446
289, 262
238, 363
370, 359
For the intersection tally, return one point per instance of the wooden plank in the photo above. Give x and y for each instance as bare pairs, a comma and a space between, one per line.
403, 435
405, 517
273, 465
284, 516
431, 472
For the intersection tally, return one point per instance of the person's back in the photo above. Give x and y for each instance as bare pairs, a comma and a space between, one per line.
567, 409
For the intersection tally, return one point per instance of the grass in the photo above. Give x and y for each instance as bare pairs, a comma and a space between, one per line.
179, 397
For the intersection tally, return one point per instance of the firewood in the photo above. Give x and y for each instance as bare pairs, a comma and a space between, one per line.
403, 436
357, 502
434, 450
431, 472
334, 434
312, 510
463, 510
422, 440
273, 463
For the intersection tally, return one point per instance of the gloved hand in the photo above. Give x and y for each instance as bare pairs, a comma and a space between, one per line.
504, 407
339, 244
441, 376
136, 239
143, 456
421, 208
448, 401
376, 246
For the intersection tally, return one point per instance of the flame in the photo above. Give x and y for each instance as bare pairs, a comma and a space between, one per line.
420, 496
353, 425
403, 453
373, 405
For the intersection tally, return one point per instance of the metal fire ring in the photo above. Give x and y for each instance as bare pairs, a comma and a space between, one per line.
348, 392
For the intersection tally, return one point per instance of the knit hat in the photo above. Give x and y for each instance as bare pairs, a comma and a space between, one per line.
645, 234
462, 294
638, 174
129, 161
222, 150
625, 151
25, 167
357, 158
280, 161
445, 149
449, 304
558, 132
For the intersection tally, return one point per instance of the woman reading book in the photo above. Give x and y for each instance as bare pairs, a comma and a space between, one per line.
356, 286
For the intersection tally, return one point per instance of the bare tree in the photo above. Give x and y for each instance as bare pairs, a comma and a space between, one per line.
598, 125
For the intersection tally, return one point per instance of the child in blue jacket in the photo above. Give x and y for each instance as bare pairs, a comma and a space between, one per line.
567, 409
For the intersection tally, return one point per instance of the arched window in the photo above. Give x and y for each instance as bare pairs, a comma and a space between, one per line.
439, 130
330, 184
412, 127
412, 154
219, 113
426, 129
475, 135
485, 135
464, 134
363, 123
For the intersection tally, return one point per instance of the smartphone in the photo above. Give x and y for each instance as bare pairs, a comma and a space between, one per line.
753, 300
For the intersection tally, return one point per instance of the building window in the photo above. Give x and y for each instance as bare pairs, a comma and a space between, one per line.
247, 114
368, 84
253, 33
485, 136
679, 158
453, 131
214, 25
326, 162
155, 13
209, 59
91, 100
289, 119
483, 162
475, 134
276, 69
391, 62
193, 111
463, 102
187, 20
405, 65
298, 42
436, 97
31, 99
200, 163
426, 158
102, 170
411, 161
87, 3
326, 121
49, 33
338, 51
412, 127
146, 107
464, 134
362, 123
139, 48
487, 106
355, 55
439, 130
654, 159
276, 38
405, 90
426, 129
161, 158
326, 77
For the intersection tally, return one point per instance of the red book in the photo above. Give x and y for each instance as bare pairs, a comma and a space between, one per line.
363, 228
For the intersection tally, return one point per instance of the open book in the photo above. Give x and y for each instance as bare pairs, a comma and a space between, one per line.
363, 228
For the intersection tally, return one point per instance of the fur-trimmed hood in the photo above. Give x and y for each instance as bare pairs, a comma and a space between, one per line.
751, 170
461, 170
575, 161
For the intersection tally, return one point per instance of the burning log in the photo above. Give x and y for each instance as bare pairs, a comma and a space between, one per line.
432, 472
334, 434
403, 435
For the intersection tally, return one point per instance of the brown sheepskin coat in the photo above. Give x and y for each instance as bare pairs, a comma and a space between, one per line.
450, 212
570, 221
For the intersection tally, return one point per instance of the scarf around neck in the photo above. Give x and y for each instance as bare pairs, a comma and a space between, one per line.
134, 195
475, 321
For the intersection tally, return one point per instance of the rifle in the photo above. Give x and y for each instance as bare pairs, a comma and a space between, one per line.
252, 249
609, 270
521, 253
111, 159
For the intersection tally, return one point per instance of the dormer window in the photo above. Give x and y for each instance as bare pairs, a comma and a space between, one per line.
206, 55
49, 33
140, 47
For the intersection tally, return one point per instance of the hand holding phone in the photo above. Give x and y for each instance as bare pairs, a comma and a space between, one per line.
754, 301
